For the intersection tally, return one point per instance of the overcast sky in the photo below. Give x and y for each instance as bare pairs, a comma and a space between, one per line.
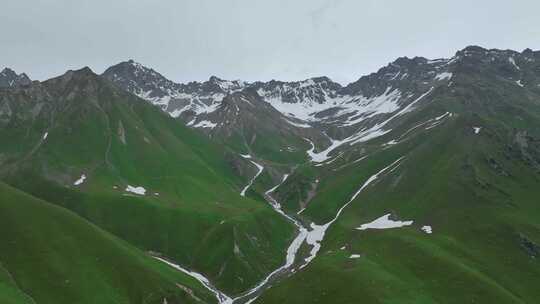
254, 39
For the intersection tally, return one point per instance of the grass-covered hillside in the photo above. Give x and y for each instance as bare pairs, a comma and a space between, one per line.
470, 178
51, 255
83, 144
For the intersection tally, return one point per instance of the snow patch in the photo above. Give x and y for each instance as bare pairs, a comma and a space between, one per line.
444, 76
205, 124
136, 190
316, 235
45, 135
513, 62
80, 180
354, 256
427, 229
477, 130
384, 222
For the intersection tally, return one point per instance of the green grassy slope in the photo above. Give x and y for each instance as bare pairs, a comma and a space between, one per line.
192, 211
478, 192
50, 255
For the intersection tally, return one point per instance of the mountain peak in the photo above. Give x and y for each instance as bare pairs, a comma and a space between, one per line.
83, 72
214, 79
86, 71
7, 71
9, 78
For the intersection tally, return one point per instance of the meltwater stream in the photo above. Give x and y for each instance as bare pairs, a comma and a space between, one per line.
312, 236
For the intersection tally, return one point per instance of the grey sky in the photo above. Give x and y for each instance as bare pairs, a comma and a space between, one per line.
254, 39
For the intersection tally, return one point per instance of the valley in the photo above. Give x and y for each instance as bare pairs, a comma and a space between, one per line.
414, 184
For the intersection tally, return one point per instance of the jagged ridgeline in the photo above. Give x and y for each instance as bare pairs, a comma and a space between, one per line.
414, 184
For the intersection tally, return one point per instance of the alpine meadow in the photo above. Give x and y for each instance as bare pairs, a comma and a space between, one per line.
416, 183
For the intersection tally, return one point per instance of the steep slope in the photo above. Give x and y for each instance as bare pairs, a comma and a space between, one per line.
50, 255
179, 100
249, 125
79, 142
415, 184
318, 108
9, 79
230, 112
460, 193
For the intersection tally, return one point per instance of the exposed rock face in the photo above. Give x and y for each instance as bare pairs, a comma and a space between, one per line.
10, 79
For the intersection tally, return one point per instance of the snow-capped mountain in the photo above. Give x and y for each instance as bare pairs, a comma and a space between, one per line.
9, 79
179, 100
318, 108
315, 100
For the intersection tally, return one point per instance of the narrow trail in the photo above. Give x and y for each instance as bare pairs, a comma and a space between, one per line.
312, 236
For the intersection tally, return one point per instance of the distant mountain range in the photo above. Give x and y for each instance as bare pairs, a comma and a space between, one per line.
415, 184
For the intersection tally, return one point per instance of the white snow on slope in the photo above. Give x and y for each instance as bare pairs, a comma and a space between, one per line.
45, 135
434, 122
291, 251
354, 256
427, 229
260, 170
384, 222
359, 107
316, 235
313, 238
277, 186
444, 76
513, 62
477, 130
203, 104
291, 255
221, 297
519, 83
136, 190
363, 135
368, 107
80, 180
296, 124
205, 124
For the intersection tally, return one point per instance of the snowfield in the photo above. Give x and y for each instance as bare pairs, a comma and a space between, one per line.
384, 222
363, 135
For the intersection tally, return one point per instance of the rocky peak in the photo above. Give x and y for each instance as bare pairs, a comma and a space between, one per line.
406, 74
9, 79
140, 80
74, 82
507, 64
225, 86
